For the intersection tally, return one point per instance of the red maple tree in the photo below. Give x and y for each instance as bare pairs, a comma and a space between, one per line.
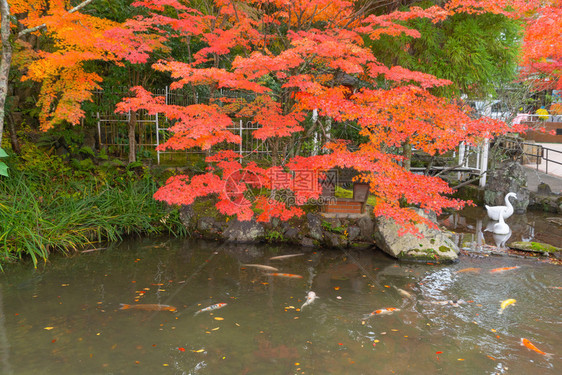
296, 58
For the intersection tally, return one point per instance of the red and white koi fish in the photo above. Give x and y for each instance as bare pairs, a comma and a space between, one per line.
310, 298
211, 308
261, 267
504, 269
289, 275
387, 311
531, 346
148, 307
285, 256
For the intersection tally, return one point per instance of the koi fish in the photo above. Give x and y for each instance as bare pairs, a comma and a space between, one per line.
453, 302
403, 293
387, 311
211, 308
471, 269
309, 299
531, 346
285, 256
504, 269
261, 267
506, 303
289, 275
148, 307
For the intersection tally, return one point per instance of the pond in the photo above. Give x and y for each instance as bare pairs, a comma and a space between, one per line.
66, 318
475, 228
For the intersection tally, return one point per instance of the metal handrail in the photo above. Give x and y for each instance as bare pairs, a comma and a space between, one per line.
541, 154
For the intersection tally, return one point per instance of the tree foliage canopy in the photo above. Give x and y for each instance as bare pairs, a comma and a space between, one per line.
364, 63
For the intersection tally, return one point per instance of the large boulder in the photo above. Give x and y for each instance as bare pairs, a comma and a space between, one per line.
435, 245
508, 177
243, 231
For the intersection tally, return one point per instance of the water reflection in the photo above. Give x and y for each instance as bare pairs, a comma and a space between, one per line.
476, 230
65, 318
501, 239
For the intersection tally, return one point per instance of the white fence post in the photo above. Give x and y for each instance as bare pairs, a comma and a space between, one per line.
241, 146
484, 163
158, 137
462, 163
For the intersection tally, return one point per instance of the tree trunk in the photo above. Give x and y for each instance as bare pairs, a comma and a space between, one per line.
13, 135
6, 60
132, 141
407, 154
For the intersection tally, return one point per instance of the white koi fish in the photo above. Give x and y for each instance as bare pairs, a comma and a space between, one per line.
285, 256
310, 298
211, 308
261, 267
403, 293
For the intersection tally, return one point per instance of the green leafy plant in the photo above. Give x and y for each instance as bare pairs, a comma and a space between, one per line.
3, 166
274, 236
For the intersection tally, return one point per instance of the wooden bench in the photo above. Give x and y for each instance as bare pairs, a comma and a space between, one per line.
354, 205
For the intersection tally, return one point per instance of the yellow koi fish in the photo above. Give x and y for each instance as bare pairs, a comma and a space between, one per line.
506, 303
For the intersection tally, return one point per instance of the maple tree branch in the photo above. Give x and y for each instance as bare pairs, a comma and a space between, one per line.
39, 27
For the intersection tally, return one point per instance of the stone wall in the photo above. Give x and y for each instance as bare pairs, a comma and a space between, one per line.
315, 229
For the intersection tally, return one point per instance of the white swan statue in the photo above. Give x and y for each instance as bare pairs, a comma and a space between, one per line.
501, 227
494, 211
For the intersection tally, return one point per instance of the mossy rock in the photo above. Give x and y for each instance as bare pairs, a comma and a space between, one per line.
537, 247
419, 255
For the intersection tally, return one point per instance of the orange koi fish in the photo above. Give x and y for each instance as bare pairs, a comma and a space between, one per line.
531, 346
387, 311
289, 275
211, 308
148, 307
471, 269
504, 269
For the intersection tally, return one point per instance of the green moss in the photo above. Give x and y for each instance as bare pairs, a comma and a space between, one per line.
206, 207
330, 228
444, 248
421, 254
535, 246
345, 193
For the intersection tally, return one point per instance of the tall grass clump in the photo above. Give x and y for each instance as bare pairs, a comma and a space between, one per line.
42, 212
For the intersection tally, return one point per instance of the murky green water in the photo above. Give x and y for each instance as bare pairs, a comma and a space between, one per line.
65, 318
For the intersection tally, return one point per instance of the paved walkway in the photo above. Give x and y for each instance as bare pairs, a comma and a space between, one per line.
534, 178
553, 152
